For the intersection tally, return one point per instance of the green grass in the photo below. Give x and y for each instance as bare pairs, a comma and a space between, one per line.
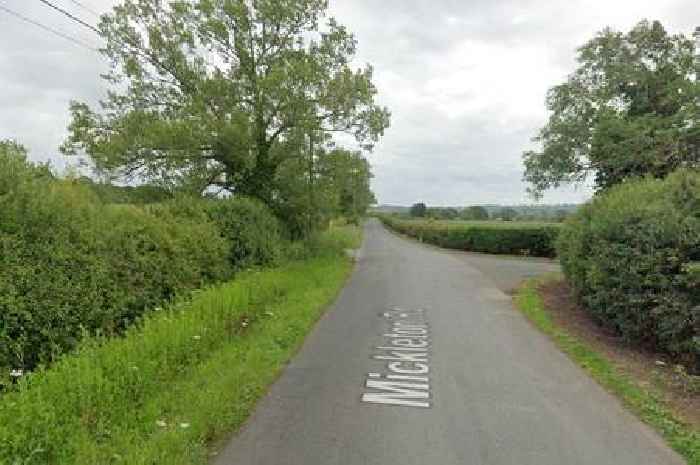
184, 378
644, 402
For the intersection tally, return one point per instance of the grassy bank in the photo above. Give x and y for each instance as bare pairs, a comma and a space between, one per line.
495, 237
184, 377
643, 401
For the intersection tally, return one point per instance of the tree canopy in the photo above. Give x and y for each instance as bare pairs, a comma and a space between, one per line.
630, 109
418, 210
221, 92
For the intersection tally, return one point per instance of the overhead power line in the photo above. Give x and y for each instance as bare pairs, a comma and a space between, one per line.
47, 28
88, 9
123, 41
71, 16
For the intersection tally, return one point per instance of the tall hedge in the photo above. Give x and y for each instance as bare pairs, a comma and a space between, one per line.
71, 264
632, 256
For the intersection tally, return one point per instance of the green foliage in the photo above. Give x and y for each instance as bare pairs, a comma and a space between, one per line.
348, 175
630, 254
252, 232
474, 213
642, 400
14, 169
70, 264
490, 237
418, 210
155, 395
321, 186
223, 93
629, 110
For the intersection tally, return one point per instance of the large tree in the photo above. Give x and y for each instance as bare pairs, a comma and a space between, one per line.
630, 109
206, 92
418, 210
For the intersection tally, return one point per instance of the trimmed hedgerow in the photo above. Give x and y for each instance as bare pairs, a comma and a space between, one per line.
631, 255
72, 265
489, 237
174, 383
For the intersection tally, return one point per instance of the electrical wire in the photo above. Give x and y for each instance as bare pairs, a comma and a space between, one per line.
88, 9
47, 28
71, 16
153, 61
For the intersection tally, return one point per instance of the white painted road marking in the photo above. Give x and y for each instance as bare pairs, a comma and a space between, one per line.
406, 347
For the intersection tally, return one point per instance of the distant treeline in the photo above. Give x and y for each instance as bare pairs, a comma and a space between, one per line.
484, 212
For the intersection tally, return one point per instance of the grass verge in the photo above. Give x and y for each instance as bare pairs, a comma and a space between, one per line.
644, 402
180, 380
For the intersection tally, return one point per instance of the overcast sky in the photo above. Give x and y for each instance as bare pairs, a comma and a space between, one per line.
465, 81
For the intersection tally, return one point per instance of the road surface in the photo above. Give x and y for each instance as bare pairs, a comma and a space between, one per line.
423, 360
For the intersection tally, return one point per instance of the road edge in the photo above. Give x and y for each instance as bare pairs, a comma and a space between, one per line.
642, 402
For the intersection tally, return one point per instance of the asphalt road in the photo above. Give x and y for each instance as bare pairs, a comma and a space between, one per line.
423, 360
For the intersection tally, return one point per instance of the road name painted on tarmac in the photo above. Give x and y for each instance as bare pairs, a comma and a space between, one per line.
405, 348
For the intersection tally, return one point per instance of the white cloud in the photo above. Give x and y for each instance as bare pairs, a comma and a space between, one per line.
465, 81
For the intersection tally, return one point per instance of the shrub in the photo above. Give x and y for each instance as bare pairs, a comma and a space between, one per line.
513, 238
71, 265
251, 229
631, 253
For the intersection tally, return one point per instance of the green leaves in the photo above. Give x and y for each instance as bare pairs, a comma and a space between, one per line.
210, 88
630, 109
629, 254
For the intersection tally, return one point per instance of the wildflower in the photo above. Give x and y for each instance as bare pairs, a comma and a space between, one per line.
184, 425
16, 373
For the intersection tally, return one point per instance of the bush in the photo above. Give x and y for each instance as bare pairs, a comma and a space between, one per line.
251, 229
631, 255
489, 237
80, 259
71, 265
